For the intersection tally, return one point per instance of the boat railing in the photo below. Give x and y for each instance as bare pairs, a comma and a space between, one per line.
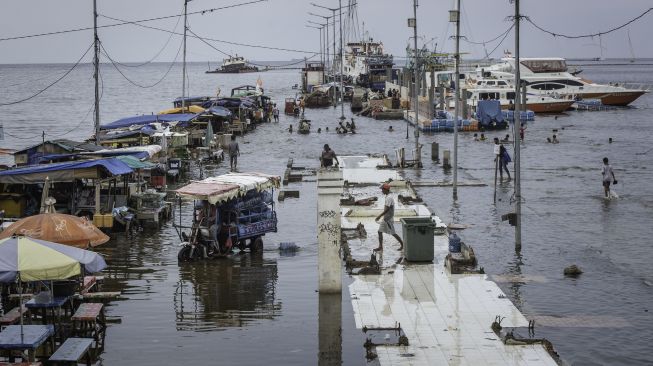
635, 86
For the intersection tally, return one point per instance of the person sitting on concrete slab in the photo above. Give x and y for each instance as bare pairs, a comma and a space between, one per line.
506, 139
386, 226
390, 129
555, 139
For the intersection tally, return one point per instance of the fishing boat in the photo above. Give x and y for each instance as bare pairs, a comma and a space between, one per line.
234, 65
367, 64
304, 126
551, 75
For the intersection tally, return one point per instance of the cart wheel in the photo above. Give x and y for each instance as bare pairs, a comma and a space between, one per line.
242, 244
256, 245
184, 254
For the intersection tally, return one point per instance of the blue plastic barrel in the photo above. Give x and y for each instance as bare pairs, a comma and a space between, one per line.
454, 243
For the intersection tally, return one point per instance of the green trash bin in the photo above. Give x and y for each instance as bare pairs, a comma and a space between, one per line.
418, 238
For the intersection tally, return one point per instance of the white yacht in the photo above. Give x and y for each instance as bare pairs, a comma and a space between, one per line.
551, 76
476, 89
504, 92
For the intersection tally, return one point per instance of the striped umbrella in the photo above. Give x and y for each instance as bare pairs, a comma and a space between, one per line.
26, 259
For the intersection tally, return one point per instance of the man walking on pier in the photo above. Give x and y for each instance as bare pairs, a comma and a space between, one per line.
234, 151
386, 226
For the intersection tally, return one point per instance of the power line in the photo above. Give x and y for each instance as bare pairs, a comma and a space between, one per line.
51, 84
217, 40
251, 63
104, 52
488, 41
158, 53
202, 12
592, 34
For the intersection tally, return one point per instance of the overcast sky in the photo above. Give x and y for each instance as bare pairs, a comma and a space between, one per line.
282, 23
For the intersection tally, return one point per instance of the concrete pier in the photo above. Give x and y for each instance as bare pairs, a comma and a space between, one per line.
447, 319
329, 189
330, 332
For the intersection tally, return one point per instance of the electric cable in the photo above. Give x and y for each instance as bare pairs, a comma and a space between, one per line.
592, 34
202, 12
104, 52
217, 40
251, 63
158, 53
51, 84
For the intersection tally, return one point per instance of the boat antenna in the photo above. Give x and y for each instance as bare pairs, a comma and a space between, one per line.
455, 16
183, 71
516, 130
96, 76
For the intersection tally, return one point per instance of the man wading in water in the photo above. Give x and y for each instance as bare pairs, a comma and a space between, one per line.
388, 214
234, 151
608, 176
327, 157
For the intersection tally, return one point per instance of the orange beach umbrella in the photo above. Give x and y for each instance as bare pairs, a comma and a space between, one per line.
58, 228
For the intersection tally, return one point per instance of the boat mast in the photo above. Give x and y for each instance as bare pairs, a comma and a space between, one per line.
96, 66
516, 131
456, 13
416, 87
342, 63
183, 68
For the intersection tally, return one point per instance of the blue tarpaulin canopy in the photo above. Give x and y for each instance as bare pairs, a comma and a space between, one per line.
235, 103
149, 118
220, 111
60, 157
488, 111
65, 172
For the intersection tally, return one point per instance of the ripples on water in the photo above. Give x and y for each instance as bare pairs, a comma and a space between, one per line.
244, 310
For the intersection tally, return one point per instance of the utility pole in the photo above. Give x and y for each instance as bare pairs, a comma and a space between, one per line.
183, 68
455, 17
517, 126
321, 53
333, 10
326, 27
342, 66
96, 66
418, 157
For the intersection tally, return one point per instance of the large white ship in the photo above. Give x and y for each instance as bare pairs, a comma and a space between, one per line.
551, 76
367, 64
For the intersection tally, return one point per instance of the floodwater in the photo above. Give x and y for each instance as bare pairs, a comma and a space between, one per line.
251, 310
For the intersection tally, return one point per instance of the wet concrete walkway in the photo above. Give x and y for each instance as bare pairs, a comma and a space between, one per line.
446, 318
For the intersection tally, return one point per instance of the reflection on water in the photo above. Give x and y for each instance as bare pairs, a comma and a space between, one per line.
229, 292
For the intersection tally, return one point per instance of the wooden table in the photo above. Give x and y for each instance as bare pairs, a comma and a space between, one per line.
89, 321
33, 337
51, 311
